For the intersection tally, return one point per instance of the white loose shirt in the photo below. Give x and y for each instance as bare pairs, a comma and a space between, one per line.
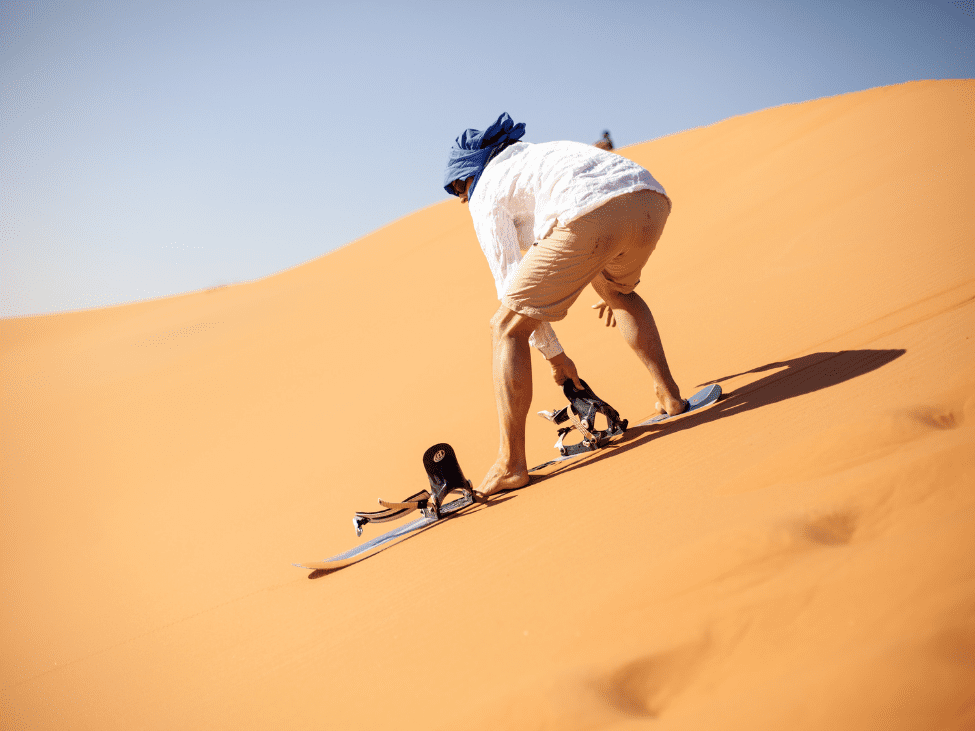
529, 189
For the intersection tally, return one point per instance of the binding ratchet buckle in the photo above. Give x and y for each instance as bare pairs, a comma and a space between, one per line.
445, 475
581, 412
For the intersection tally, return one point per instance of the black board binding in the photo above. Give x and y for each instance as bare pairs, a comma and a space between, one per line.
583, 406
445, 476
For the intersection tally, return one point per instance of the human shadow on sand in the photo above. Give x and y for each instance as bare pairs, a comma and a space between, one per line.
787, 379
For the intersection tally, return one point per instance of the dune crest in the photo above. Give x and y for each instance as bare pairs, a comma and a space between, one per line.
801, 554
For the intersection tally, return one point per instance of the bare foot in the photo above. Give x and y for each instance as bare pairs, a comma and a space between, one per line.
668, 399
672, 407
501, 477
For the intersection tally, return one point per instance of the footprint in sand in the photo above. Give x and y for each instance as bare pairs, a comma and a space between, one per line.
647, 686
832, 529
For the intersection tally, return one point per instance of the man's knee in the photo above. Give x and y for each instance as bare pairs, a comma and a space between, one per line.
611, 296
507, 323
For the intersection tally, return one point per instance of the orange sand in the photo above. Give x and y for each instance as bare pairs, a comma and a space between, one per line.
801, 556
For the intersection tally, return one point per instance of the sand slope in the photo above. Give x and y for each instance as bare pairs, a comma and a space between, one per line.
801, 555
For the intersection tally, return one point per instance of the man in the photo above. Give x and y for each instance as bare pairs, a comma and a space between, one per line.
581, 215
604, 142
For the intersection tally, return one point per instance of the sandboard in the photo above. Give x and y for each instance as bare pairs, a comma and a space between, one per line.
702, 399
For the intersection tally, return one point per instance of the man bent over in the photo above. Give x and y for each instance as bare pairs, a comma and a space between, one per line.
552, 218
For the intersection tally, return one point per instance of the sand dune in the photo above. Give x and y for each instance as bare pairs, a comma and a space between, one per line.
800, 555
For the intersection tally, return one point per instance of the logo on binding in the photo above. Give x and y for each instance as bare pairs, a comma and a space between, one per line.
439, 455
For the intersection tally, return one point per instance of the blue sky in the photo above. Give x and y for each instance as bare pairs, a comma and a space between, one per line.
151, 148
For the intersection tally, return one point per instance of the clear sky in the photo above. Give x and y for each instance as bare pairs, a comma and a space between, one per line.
154, 147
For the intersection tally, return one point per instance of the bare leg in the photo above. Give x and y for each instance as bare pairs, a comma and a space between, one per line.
513, 395
640, 332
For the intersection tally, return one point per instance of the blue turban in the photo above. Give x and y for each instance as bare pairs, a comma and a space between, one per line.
473, 149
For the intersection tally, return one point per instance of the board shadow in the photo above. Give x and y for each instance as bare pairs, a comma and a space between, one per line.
788, 379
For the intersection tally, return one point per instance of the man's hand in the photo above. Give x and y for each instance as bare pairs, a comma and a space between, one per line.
564, 369
608, 311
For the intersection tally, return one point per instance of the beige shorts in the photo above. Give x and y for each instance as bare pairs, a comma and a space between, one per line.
614, 240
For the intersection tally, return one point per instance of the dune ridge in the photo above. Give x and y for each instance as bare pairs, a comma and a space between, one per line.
800, 554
